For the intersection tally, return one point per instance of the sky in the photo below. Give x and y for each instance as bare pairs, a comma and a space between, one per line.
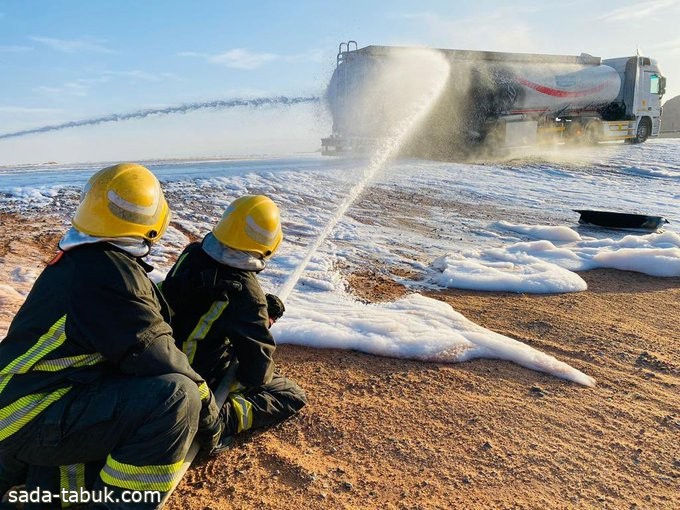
72, 60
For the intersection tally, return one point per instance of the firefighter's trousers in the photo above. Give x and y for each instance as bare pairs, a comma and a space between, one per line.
263, 406
138, 429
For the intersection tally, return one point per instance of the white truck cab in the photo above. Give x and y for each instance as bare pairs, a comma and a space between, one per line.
643, 85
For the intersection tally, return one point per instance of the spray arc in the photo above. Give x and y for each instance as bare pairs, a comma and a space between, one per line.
432, 71
415, 112
402, 124
218, 104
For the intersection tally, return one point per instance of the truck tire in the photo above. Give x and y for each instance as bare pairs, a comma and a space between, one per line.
593, 133
644, 129
573, 134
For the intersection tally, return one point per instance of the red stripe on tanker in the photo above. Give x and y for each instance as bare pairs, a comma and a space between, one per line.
554, 87
561, 93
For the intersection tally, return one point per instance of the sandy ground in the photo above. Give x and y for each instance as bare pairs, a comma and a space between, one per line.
398, 434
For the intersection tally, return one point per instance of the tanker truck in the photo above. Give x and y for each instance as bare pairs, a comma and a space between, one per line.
492, 99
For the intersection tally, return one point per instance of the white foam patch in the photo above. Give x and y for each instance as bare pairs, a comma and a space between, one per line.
549, 233
35, 197
662, 240
505, 272
541, 266
655, 262
414, 327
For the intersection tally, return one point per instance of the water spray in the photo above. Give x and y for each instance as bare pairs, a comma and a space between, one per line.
385, 152
219, 104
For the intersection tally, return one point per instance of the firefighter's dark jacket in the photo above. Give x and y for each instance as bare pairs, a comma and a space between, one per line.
91, 313
211, 323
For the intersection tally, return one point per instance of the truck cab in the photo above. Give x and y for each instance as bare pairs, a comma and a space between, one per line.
643, 86
652, 86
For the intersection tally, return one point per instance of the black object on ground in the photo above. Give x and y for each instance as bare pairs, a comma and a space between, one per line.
620, 220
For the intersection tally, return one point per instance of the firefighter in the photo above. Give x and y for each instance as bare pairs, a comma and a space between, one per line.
221, 319
89, 371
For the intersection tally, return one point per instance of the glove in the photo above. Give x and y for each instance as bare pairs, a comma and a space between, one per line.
210, 425
275, 307
209, 437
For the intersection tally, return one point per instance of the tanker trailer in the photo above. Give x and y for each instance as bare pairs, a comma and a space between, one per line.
493, 99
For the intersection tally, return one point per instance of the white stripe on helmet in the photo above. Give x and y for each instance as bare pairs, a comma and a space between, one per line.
259, 234
116, 199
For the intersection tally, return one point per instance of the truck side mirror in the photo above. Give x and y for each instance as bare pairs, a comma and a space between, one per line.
662, 86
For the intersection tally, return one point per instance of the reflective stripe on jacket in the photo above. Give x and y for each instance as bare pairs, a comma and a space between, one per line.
94, 312
205, 327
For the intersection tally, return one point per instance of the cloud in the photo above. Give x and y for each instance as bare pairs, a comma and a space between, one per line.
238, 58
73, 46
71, 89
80, 87
488, 30
638, 10
14, 49
241, 58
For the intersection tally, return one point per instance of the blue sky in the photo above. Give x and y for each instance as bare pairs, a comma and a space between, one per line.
71, 60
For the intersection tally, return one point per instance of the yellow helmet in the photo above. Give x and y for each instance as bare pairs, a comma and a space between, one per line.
251, 223
122, 201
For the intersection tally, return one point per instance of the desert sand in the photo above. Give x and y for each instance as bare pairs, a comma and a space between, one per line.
400, 434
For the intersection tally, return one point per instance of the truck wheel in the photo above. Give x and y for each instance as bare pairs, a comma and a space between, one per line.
643, 131
593, 133
574, 133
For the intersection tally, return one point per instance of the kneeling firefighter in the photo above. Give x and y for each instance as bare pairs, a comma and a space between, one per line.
90, 379
221, 319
